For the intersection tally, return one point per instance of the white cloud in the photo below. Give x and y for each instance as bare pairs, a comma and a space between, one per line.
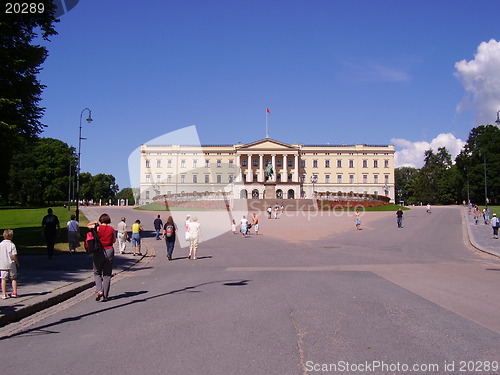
481, 80
411, 154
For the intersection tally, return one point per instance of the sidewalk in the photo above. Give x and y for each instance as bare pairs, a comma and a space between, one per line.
481, 235
44, 283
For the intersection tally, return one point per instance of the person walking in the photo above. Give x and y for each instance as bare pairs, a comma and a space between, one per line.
50, 227
255, 221
122, 235
8, 263
194, 237
244, 226
486, 215
358, 220
73, 234
233, 226
269, 212
429, 208
103, 260
158, 224
186, 227
495, 224
136, 237
169, 236
399, 215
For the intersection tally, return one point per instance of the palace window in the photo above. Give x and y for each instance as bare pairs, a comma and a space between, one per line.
231, 163
365, 163
148, 178
183, 178
303, 163
290, 162
169, 179
207, 178
147, 163
386, 163
195, 179
375, 179
243, 163
339, 163
219, 163
207, 163
195, 163
365, 179
375, 164
351, 179
158, 178
158, 163
339, 179
219, 178
351, 163
386, 179
183, 163
279, 163
327, 179
169, 163
327, 163
255, 162
315, 163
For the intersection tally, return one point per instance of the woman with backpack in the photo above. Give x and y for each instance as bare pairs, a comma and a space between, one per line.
169, 230
103, 260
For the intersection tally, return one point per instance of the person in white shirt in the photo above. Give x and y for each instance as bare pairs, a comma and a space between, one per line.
122, 235
194, 236
244, 226
73, 234
8, 263
495, 223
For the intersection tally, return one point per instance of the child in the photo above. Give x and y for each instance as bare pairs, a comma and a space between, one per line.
233, 226
8, 263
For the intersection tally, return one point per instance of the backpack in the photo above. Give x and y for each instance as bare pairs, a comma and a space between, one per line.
92, 242
169, 230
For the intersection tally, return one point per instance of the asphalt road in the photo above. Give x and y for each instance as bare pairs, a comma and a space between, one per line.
309, 295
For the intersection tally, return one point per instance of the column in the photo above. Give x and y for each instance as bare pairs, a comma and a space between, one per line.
296, 170
238, 165
261, 168
273, 163
249, 165
284, 175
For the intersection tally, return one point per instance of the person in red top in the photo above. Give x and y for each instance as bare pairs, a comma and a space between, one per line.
103, 261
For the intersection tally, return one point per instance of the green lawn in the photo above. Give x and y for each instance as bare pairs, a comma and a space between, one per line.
27, 226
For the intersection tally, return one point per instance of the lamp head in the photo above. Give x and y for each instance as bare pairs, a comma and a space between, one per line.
89, 119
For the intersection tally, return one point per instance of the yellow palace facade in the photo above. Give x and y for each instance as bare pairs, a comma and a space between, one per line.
246, 171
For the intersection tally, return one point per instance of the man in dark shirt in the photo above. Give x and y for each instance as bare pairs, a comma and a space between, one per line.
399, 214
50, 226
158, 225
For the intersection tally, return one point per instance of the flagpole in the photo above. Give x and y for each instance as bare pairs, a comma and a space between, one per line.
267, 134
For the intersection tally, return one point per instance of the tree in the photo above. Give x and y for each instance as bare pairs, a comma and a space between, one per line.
41, 173
99, 187
20, 90
479, 164
403, 177
125, 194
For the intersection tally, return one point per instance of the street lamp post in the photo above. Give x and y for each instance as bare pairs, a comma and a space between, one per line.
89, 120
485, 183
314, 179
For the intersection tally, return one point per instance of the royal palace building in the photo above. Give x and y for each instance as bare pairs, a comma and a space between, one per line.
246, 171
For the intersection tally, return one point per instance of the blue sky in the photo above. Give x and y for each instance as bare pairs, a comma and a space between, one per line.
330, 71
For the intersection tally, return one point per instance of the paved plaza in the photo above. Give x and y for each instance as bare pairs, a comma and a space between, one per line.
309, 294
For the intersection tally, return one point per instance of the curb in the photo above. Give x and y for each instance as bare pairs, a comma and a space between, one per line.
59, 295
471, 238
